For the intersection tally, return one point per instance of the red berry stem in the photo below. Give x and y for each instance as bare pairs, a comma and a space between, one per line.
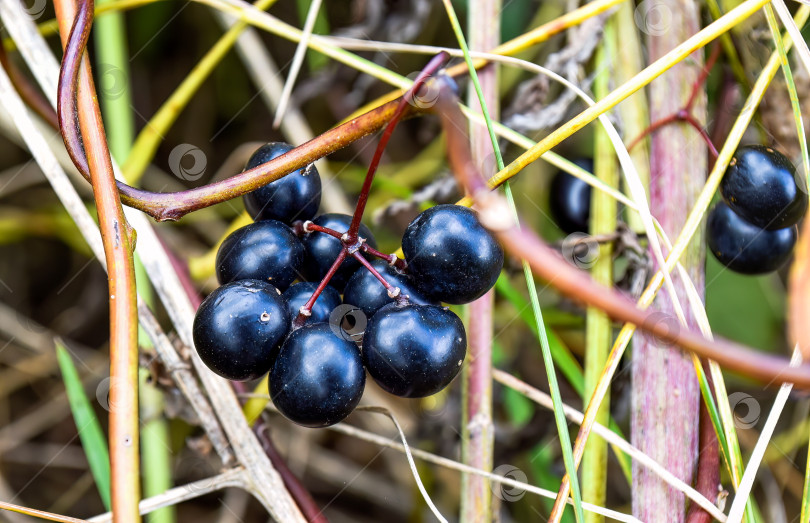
688, 118
430, 69
308, 226
684, 114
304, 313
393, 292
680, 116
352, 244
704, 74
392, 259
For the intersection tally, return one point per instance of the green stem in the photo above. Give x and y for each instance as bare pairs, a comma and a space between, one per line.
625, 49
598, 328
155, 447
112, 65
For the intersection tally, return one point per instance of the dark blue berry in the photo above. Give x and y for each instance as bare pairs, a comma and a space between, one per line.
267, 250
322, 249
238, 328
298, 295
570, 199
744, 247
761, 186
452, 257
296, 196
364, 290
318, 378
414, 351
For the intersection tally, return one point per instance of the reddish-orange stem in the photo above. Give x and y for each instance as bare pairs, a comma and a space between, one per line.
118, 249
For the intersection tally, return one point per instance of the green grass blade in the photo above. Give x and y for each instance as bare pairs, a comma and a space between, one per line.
562, 424
113, 65
791, 87
729, 49
563, 359
94, 442
797, 117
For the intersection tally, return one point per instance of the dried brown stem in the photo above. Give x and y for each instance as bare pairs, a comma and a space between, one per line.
549, 265
118, 249
32, 96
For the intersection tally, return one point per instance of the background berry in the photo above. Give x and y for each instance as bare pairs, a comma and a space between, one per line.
267, 250
297, 296
322, 249
296, 196
450, 255
318, 378
367, 292
744, 247
761, 186
570, 199
238, 328
414, 350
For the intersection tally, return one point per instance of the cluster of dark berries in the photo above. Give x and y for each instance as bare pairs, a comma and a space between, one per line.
260, 321
753, 230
